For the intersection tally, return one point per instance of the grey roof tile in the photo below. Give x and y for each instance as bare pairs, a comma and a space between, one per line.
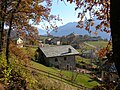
62, 50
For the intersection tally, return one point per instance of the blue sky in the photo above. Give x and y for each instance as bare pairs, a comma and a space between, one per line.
65, 10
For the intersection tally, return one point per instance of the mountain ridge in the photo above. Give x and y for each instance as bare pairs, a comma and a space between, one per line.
71, 28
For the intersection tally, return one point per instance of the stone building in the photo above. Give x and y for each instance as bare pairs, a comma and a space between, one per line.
61, 57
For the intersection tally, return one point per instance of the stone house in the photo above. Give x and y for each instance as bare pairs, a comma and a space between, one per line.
56, 41
89, 54
61, 57
48, 41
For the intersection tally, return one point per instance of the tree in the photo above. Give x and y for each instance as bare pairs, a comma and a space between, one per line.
107, 12
115, 23
18, 15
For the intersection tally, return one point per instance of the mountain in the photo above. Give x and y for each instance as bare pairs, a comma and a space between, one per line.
71, 28
42, 32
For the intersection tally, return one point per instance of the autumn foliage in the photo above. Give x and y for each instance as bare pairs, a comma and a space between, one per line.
90, 9
105, 50
20, 16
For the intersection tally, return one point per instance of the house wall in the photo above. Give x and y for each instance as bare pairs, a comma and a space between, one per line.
65, 62
40, 57
19, 42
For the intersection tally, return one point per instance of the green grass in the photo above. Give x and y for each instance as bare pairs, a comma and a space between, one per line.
81, 59
44, 68
98, 43
81, 78
84, 80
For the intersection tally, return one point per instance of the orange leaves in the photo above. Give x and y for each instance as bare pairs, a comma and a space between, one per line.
77, 2
102, 52
38, 19
80, 24
87, 28
82, 16
95, 33
71, 1
100, 9
98, 27
106, 25
92, 23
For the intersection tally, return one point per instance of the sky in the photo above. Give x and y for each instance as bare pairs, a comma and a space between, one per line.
65, 10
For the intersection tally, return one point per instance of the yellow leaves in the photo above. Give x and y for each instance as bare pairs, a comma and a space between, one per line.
108, 2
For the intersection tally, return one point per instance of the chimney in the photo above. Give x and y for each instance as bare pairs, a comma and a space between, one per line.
69, 50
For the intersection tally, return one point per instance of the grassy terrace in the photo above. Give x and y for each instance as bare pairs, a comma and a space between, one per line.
98, 43
82, 79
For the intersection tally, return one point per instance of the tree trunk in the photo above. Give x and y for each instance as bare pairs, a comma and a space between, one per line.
9, 31
2, 20
1, 29
8, 39
1, 34
115, 32
0, 37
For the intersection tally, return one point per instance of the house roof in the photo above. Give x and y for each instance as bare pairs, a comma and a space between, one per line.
110, 67
113, 68
55, 51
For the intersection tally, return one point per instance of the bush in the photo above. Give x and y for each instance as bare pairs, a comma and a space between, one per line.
15, 76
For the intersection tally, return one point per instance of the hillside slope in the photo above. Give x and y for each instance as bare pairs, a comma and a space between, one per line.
55, 74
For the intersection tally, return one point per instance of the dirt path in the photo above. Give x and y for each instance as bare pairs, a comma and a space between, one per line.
89, 45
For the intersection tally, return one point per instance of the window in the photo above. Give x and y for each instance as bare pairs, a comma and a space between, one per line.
65, 58
57, 66
56, 59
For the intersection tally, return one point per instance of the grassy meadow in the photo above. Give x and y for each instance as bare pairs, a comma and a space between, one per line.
82, 79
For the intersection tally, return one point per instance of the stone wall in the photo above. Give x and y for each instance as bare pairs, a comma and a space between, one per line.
65, 62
